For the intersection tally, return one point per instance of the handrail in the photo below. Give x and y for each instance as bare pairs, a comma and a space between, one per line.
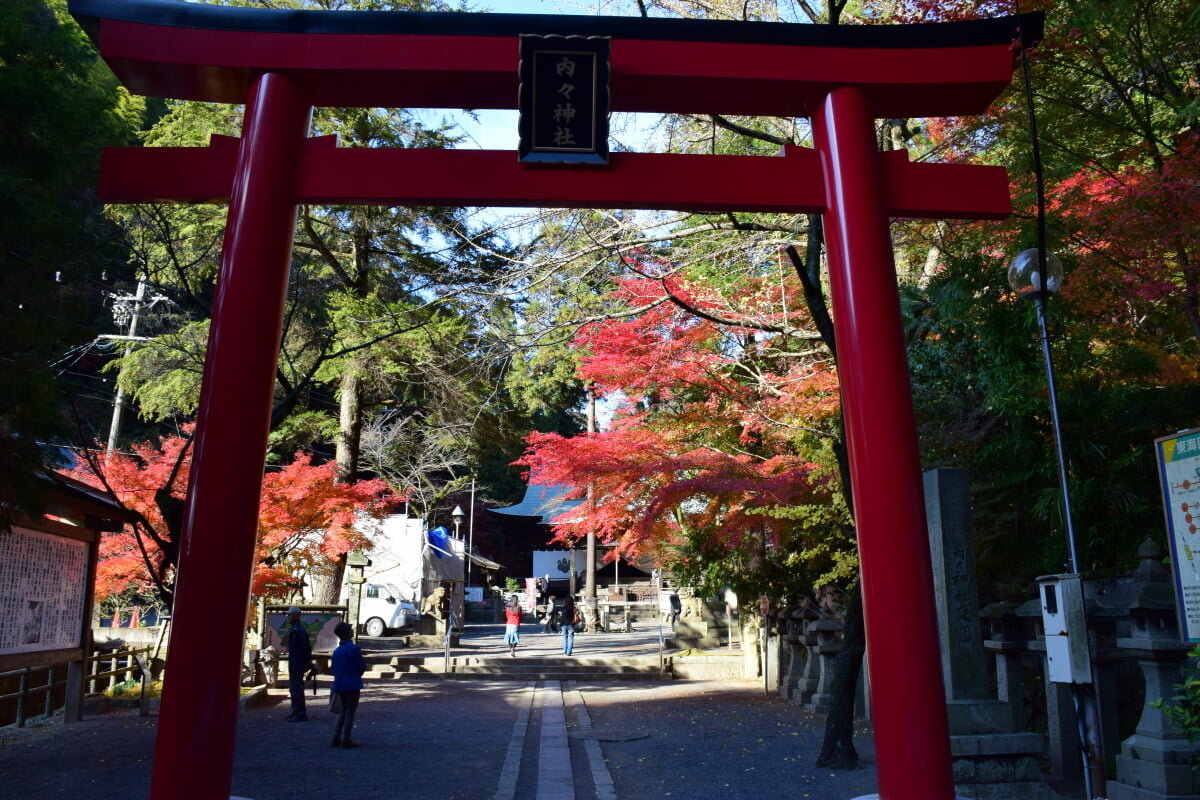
660, 644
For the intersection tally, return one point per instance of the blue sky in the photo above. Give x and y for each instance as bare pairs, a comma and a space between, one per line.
540, 6
497, 129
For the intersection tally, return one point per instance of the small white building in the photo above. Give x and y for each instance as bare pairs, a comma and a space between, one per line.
409, 562
411, 557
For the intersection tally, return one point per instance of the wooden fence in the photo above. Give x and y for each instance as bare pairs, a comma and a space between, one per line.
41, 691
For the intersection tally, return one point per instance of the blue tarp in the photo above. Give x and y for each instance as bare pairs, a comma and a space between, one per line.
439, 537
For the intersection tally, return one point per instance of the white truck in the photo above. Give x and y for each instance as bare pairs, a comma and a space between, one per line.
382, 611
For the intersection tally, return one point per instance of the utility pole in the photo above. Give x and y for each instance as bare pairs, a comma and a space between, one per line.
125, 307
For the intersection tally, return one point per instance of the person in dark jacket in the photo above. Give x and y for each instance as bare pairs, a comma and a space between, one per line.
568, 618
299, 660
550, 623
348, 667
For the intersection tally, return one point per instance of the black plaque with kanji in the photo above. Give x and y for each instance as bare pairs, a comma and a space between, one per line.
564, 99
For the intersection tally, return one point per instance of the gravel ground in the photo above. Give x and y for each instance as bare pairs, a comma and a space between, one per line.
447, 740
720, 739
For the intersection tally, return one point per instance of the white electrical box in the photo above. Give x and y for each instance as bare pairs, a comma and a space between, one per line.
1063, 617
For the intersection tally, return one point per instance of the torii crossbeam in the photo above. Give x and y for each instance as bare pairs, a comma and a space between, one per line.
283, 63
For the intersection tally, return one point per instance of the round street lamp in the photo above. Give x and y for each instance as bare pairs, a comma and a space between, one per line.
1035, 274
1027, 275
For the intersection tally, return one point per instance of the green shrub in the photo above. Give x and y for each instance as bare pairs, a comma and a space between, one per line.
1184, 706
133, 689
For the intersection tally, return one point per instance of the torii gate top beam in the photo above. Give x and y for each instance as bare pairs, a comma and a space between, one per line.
450, 60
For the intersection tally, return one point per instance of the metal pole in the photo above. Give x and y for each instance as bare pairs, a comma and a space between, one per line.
1091, 747
912, 739
1039, 302
198, 722
471, 533
466, 553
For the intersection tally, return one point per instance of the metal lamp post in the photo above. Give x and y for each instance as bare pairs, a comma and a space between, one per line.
1035, 275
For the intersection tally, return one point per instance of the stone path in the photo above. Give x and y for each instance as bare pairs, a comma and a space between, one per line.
478, 740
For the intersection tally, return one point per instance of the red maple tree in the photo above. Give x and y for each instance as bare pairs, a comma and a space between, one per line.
1137, 243
721, 429
304, 516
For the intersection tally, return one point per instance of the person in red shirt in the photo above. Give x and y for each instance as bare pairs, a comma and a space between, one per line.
512, 622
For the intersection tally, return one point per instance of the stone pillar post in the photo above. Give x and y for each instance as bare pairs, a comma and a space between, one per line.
357, 562
792, 630
1006, 641
991, 761
774, 652
829, 644
810, 678
1158, 760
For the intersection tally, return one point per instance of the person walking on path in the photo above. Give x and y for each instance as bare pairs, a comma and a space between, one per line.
348, 667
512, 623
569, 618
299, 660
551, 620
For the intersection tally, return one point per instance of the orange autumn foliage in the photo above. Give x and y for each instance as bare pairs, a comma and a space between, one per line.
304, 517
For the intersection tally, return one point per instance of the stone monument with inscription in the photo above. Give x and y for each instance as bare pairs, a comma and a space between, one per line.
991, 760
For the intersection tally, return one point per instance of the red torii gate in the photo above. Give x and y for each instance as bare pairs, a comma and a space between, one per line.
283, 63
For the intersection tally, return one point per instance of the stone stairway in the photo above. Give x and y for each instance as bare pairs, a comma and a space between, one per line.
481, 654
538, 668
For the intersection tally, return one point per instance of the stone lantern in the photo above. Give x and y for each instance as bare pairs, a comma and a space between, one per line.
1158, 760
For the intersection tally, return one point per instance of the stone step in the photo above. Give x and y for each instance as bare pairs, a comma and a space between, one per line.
559, 668
501, 668
385, 669
468, 661
543, 675
581, 677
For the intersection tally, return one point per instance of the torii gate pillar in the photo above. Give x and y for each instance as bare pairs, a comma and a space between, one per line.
230, 446
884, 465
